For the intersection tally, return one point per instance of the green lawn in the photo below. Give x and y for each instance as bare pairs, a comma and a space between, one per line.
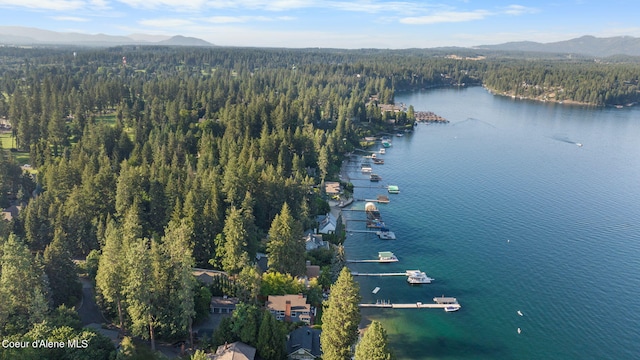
7, 143
109, 119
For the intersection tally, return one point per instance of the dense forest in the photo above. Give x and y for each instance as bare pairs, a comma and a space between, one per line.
149, 161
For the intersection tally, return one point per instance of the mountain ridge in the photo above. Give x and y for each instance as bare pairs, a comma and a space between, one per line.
585, 45
18, 35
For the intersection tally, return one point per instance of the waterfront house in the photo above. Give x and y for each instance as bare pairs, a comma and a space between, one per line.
314, 241
290, 308
327, 223
304, 344
332, 188
234, 351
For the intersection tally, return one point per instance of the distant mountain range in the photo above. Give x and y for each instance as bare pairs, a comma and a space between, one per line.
18, 35
585, 45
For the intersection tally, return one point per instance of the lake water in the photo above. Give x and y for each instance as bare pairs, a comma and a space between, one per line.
507, 213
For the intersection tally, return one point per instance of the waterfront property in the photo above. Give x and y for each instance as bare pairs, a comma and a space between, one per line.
234, 351
304, 344
290, 308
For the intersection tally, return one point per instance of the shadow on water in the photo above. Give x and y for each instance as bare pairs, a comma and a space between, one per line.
446, 347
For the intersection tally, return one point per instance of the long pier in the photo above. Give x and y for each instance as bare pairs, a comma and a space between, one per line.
370, 261
417, 305
378, 274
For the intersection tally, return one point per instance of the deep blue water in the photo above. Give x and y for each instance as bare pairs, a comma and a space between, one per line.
507, 213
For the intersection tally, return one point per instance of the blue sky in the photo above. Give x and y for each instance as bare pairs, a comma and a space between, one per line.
334, 23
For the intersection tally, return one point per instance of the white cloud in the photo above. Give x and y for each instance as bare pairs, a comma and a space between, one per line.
446, 17
177, 5
69, 18
244, 19
166, 23
58, 5
519, 10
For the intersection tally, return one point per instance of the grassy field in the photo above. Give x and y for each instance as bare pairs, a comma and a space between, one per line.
109, 119
7, 143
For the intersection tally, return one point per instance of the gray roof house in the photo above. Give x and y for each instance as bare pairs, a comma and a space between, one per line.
304, 344
327, 223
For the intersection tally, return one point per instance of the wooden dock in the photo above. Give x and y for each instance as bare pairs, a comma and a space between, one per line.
378, 274
417, 305
370, 261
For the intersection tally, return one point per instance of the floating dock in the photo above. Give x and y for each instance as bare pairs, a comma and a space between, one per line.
383, 257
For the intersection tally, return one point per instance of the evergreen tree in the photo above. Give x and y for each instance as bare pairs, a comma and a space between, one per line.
373, 345
235, 256
341, 317
111, 275
61, 273
271, 338
23, 294
286, 246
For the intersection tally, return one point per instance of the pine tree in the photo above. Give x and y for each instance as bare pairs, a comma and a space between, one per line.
111, 275
270, 338
22, 288
61, 272
373, 345
235, 256
286, 247
341, 317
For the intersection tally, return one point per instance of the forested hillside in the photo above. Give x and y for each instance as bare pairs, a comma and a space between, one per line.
149, 161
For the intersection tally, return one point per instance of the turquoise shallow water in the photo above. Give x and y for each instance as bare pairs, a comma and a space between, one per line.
507, 213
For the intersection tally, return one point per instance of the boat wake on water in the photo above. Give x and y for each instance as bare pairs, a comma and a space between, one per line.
565, 139
474, 121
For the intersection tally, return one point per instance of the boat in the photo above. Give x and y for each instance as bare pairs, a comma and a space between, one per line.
366, 169
418, 277
451, 308
445, 300
579, 144
519, 312
393, 189
373, 156
378, 161
382, 151
385, 234
387, 257
375, 291
386, 143
375, 177
519, 331
399, 134
374, 220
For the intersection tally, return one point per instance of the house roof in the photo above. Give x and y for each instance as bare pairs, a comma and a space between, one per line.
235, 351
11, 212
332, 187
279, 302
205, 275
224, 302
304, 338
313, 271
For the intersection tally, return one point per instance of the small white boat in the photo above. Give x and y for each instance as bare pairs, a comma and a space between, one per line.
418, 277
382, 151
375, 291
519, 331
366, 169
386, 234
520, 313
579, 144
451, 308
386, 257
